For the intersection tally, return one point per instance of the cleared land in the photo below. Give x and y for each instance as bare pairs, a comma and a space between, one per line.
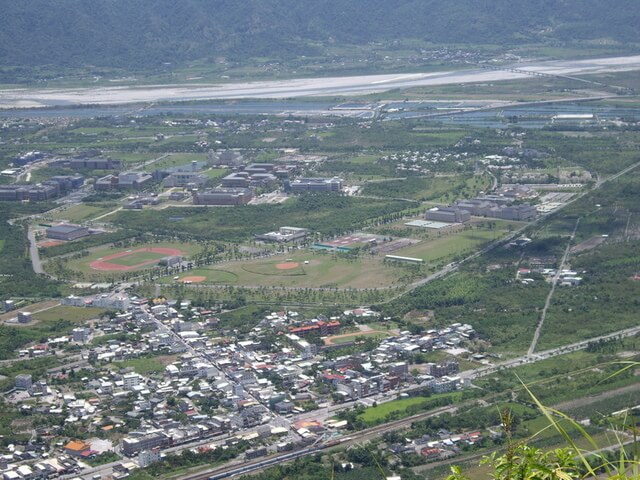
72, 314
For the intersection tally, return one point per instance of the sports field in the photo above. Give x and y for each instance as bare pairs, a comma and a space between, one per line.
133, 259
301, 269
108, 260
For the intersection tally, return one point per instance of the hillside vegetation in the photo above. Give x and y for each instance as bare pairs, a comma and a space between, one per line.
139, 33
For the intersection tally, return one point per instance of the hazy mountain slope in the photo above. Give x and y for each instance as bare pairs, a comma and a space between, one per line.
147, 33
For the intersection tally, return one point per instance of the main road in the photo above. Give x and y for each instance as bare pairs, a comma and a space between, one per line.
305, 87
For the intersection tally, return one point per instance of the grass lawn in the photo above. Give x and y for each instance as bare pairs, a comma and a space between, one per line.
211, 275
1, 244
81, 212
147, 365
448, 246
215, 172
72, 314
374, 415
178, 160
130, 158
137, 258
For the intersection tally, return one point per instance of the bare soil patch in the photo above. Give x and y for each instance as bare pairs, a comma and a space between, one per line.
287, 265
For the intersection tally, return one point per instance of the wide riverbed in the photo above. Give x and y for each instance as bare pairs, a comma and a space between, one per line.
354, 85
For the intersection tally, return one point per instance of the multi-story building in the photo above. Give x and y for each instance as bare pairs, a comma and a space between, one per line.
95, 164
449, 367
321, 327
184, 179
448, 215
23, 381
301, 185
133, 445
124, 181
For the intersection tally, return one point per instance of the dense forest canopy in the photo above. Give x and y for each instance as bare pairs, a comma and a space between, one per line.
125, 33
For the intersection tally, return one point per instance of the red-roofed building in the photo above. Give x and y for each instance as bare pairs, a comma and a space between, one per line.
332, 378
321, 327
430, 453
77, 448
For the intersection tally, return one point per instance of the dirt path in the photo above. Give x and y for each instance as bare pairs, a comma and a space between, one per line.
581, 402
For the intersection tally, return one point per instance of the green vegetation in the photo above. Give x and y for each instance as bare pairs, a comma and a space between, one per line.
404, 407
430, 188
80, 264
143, 365
324, 270
135, 36
316, 212
175, 464
83, 212
16, 273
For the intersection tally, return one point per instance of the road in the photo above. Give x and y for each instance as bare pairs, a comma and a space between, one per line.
36, 263
554, 283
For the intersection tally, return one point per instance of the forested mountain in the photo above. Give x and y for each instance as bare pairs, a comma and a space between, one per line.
124, 33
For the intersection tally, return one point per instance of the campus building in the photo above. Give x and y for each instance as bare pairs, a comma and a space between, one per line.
284, 234
184, 179
301, 185
124, 181
46, 190
95, 164
223, 196
448, 215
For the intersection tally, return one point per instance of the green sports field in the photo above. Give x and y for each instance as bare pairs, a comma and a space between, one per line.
137, 258
311, 270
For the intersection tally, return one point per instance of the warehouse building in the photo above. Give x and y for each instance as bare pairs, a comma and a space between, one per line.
67, 231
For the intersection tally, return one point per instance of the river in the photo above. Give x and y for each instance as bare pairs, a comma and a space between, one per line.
282, 89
